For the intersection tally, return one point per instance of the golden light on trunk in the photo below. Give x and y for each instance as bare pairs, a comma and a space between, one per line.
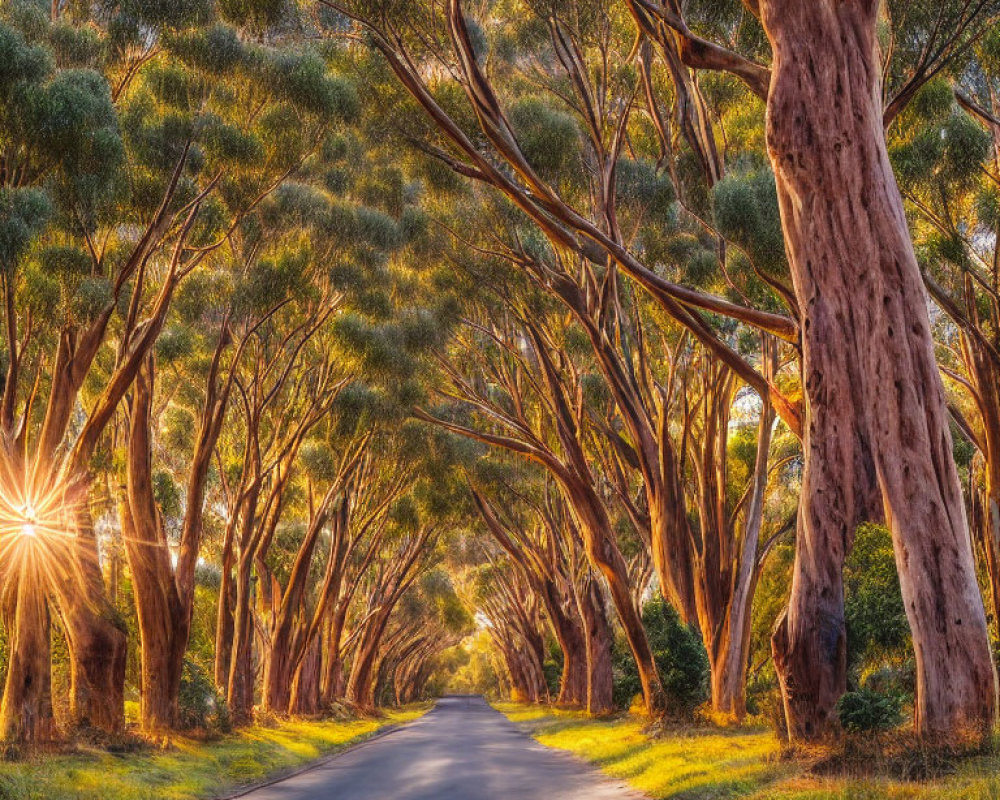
38, 520
37, 530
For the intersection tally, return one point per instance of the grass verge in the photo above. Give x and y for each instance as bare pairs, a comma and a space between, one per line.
713, 764
189, 769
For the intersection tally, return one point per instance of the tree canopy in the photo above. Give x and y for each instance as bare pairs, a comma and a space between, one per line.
582, 351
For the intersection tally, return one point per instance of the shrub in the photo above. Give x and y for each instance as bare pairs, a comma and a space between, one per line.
199, 705
878, 633
868, 711
680, 659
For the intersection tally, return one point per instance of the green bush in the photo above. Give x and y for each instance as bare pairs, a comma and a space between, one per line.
680, 659
879, 649
868, 711
199, 704
552, 667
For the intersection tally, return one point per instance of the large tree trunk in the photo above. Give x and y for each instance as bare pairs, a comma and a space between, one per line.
875, 408
985, 377
163, 629
725, 609
670, 543
288, 645
98, 650
520, 686
224, 622
241, 673
571, 637
361, 683
729, 655
306, 685
279, 672
163, 621
26, 708
333, 683
604, 555
599, 640
97, 640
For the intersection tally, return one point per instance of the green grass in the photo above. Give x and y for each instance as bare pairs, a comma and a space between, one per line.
715, 764
188, 769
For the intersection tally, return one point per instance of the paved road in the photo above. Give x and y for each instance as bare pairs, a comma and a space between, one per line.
461, 750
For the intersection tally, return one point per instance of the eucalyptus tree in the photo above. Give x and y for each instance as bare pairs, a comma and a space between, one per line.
859, 462
287, 642
944, 148
59, 174
143, 175
543, 110
355, 543
531, 404
370, 467
236, 299
430, 618
84, 256
409, 546
865, 326
715, 463
645, 365
543, 543
515, 625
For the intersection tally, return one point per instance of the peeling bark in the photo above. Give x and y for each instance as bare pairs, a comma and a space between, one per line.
876, 423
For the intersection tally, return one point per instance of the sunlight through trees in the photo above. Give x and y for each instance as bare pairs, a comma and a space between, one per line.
608, 354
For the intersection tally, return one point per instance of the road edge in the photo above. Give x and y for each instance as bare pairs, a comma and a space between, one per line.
362, 740
592, 766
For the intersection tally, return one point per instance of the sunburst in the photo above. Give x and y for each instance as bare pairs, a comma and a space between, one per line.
38, 520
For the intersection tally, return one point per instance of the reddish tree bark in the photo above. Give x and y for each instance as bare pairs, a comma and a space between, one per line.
876, 423
26, 707
306, 686
392, 584
288, 645
599, 640
96, 636
544, 572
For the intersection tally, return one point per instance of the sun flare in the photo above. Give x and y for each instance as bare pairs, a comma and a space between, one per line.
38, 516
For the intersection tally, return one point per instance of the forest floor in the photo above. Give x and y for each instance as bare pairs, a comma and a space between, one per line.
699, 763
189, 768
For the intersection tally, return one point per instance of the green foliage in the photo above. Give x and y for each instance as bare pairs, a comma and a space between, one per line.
680, 659
216, 50
302, 79
166, 494
319, 461
77, 47
64, 261
165, 13
199, 704
72, 119
640, 187
746, 210
549, 138
91, 297
21, 64
23, 213
877, 628
867, 711
256, 15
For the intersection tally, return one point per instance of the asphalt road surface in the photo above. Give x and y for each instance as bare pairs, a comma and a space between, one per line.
460, 750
